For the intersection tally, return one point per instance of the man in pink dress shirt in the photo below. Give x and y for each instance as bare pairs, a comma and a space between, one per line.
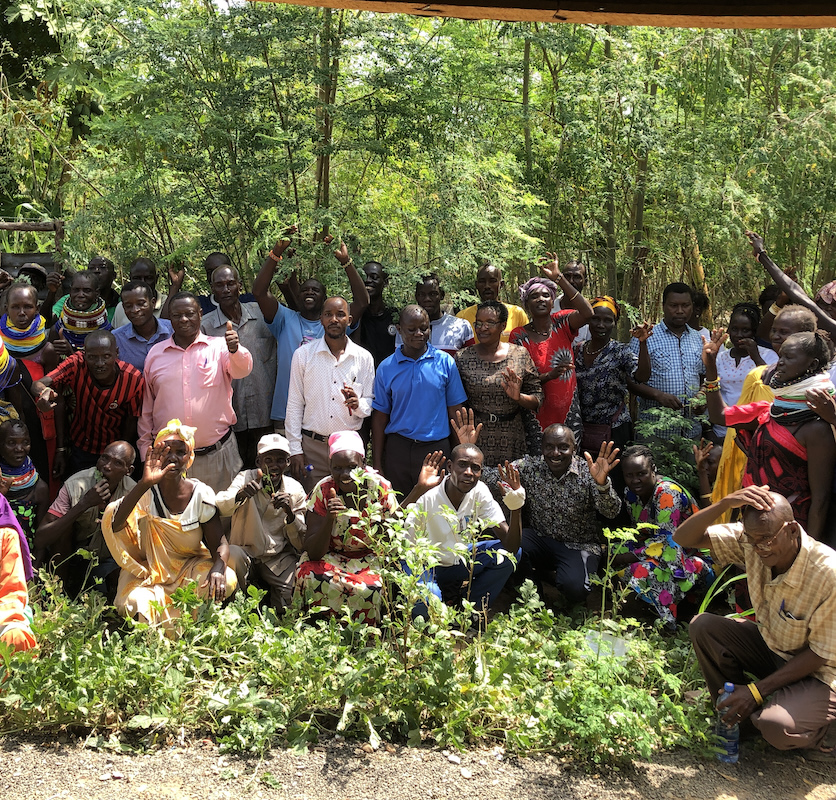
189, 377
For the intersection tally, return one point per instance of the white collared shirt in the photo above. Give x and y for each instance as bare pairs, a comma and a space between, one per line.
315, 400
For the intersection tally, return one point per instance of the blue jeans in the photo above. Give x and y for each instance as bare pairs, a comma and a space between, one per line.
491, 570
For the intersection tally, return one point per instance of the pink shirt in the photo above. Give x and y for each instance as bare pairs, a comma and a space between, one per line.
193, 385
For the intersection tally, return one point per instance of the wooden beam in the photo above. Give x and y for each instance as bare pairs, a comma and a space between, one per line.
675, 14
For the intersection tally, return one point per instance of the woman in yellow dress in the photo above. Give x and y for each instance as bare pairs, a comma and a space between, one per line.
166, 533
792, 319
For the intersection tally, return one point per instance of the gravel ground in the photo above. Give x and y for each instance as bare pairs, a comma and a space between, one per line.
342, 770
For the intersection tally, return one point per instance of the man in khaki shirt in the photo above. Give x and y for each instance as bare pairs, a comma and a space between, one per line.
791, 650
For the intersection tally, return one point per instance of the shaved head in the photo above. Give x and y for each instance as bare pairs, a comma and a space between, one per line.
412, 311
771, 519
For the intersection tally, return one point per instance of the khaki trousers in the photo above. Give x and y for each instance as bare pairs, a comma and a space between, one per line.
795, 717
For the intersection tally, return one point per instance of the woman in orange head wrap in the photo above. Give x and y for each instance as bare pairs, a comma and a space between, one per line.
166, 532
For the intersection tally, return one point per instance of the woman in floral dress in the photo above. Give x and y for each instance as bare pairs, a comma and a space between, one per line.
339, 568
501, 382
657, 569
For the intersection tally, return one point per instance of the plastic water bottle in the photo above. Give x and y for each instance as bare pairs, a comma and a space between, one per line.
729, 735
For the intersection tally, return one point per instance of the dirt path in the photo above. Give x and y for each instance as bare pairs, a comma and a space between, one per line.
341, 770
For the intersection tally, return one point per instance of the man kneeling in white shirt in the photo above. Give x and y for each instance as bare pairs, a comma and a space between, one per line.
461, 499
268, 520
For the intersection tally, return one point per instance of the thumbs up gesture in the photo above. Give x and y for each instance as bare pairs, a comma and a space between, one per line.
249, 489
62, 347
231, 338
333, 503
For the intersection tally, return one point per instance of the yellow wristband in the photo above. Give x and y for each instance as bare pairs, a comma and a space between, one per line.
756, 694
775, 310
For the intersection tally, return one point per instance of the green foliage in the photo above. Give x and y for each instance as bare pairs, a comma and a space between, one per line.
530, 682
173, 129
664, 430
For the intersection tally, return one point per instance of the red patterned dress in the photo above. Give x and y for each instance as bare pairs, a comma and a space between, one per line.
347, 575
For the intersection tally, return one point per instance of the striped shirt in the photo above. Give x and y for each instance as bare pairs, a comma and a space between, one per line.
100, 410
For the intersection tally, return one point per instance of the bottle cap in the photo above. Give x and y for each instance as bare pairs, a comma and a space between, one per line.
728, 687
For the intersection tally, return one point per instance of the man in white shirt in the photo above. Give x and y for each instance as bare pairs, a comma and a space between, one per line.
463, 501
331, 389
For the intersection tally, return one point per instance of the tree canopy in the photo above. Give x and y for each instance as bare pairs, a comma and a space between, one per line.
175, 129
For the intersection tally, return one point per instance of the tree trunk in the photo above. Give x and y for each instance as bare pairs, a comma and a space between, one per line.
526, 108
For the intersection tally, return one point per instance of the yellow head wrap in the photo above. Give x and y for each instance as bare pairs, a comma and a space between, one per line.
177, 429
607, 302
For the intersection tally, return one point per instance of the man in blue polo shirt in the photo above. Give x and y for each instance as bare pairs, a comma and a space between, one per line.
143, 330
416, 392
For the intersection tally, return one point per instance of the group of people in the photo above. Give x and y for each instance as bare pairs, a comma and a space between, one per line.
223, 439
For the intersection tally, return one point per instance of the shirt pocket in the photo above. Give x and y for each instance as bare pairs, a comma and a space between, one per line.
789, 635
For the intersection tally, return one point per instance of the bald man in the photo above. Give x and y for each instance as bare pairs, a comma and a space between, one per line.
331, 389
252, 394
74, 520
791, 649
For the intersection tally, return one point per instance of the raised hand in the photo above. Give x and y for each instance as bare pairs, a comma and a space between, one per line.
61, 346
756, 242
231, 338
155, 470
701, 452
551, 268
176, 276
511, 383
334, 503
431, 473
53, 282
342, 254
643, 331
5, 484
465, 427
5, 279
710, 347
606, 461
508, 475
823, 403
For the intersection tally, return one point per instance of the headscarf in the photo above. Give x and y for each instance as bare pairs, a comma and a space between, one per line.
605, 301
827, 293
77, 324
349, 441
22, 341
175, 428
534, 283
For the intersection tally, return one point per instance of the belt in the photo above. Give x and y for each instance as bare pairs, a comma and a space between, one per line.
491, 417
317, 437
203, 451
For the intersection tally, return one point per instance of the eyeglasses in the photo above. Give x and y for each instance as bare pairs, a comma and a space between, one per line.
765, 544
481, 324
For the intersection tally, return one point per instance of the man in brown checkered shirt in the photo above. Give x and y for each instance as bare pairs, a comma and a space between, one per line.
791, 650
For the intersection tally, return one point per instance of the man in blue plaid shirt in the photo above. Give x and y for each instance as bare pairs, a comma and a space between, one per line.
675, 360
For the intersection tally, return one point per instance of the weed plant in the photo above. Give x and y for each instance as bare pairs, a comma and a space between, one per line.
528, 681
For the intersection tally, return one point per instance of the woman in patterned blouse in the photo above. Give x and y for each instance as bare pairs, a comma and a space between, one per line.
655, 567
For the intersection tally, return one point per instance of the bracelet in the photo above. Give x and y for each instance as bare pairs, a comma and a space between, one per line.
275, 258
61, 449
755, 693
573, 296
775, 310
349, 263
705, 496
